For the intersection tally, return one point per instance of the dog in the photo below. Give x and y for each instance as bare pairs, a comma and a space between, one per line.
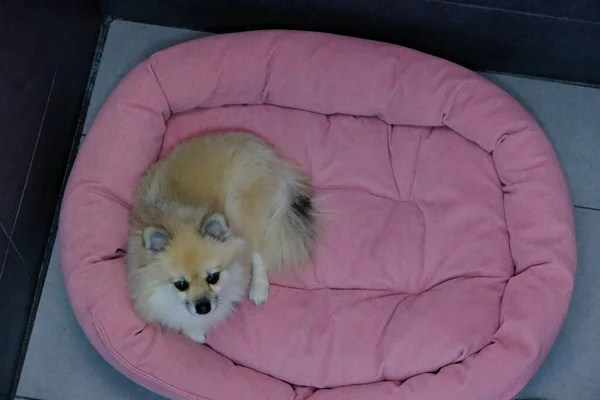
208, 223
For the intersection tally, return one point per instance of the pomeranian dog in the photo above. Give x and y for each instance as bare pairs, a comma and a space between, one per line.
208, 223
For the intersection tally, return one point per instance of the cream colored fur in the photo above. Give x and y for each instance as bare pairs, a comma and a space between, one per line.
221, 203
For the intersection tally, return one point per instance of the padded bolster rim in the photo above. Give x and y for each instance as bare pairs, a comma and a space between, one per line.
403, 87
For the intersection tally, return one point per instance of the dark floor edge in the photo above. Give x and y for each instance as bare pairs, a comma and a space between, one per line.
540, 78
54, 230
511, 11
147, 22
587, 208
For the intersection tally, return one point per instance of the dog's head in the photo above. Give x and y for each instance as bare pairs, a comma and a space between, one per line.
191, 261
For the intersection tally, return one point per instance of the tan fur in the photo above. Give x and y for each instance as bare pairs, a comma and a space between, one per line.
234, 174
240, 176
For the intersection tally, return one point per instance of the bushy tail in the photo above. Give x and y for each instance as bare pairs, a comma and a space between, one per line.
293, 228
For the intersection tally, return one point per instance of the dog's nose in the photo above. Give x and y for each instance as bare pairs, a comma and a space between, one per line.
203, 306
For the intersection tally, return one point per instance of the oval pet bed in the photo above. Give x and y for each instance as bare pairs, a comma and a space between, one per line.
447, 262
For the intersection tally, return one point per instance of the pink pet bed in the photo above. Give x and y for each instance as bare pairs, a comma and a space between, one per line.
447, 263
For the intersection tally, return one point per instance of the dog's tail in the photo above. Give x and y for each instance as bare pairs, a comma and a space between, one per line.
294, 225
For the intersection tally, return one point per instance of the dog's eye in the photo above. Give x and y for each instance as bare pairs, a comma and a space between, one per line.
182, 286
213, 278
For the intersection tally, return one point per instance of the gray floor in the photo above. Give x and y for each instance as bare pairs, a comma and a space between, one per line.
62, 365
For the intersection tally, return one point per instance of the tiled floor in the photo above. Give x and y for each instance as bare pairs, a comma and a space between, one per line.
62, 365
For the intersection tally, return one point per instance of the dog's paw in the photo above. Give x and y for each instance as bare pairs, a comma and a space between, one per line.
198, 337
259, 291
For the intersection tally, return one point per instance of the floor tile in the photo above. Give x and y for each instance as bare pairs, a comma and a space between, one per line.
56, 135
40, 44
571, 369
17, 287
61, 364
24, 89
571, 118
28, 59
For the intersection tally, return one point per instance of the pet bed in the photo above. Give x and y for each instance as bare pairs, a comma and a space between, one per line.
447, 262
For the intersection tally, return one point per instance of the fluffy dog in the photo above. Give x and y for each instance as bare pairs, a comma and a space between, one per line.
208, 223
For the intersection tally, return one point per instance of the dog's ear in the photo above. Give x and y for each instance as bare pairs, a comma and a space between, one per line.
156, 238
214, 225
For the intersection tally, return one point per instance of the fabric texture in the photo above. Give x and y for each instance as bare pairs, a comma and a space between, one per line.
447, 261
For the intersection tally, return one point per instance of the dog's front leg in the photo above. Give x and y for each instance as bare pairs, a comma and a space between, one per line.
259, 284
